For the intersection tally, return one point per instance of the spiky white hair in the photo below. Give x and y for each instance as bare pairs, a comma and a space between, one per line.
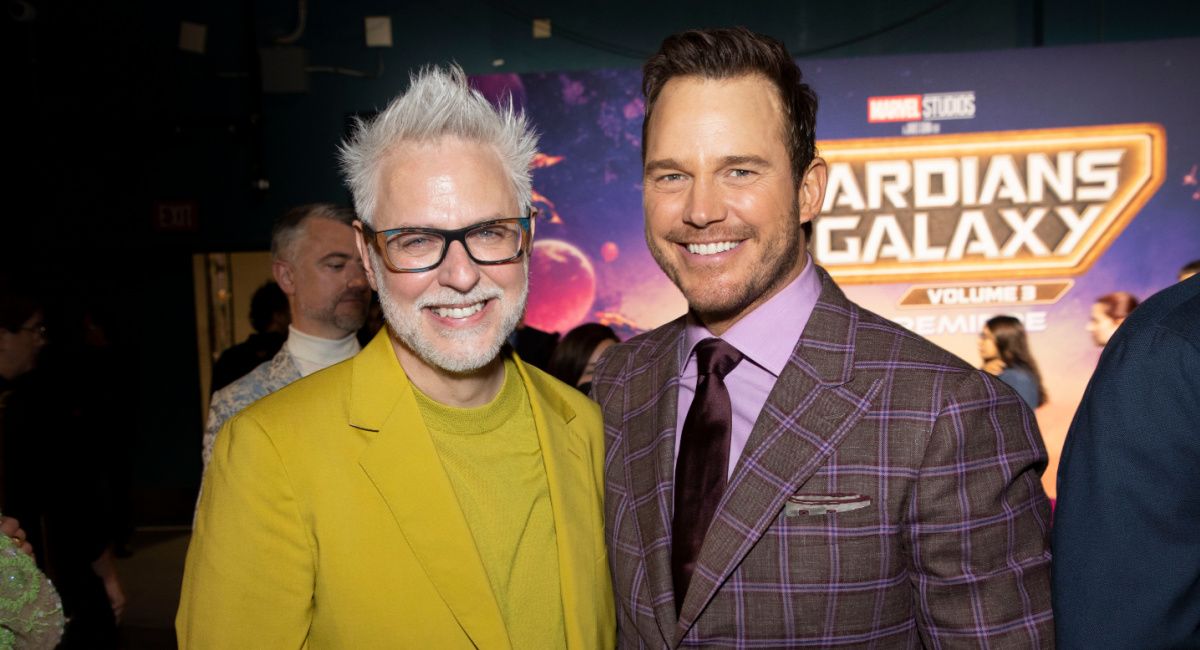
438, 104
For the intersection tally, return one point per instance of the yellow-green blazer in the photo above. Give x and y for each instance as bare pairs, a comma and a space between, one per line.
326, 521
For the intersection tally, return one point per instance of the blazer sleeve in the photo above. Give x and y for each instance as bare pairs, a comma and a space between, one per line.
1127, 529
978, 524
248, 579
217, 416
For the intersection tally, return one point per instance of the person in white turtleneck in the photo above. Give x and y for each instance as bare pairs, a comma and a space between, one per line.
312, 353
316, 263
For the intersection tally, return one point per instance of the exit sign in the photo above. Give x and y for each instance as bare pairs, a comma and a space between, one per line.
176, 216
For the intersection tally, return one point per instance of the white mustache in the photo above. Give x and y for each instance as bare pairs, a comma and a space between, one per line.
444, 297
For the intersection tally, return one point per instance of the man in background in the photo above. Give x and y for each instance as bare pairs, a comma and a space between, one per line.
318, 267
1127, 527
785, 468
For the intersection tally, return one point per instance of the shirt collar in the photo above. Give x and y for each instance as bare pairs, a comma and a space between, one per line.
767, 335
312, 353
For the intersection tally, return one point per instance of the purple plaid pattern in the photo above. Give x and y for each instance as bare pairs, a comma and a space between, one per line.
952, 551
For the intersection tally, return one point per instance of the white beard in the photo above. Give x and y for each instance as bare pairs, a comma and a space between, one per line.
457, 351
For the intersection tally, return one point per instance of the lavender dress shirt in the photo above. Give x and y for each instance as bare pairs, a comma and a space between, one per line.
765, 337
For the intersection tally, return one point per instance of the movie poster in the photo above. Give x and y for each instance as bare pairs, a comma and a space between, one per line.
962, 186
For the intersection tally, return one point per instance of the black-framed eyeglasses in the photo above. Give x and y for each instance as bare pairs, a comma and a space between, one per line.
412, 250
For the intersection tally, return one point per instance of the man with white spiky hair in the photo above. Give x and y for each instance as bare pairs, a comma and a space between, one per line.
433, 491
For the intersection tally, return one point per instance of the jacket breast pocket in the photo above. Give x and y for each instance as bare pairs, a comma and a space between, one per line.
820, 505
829, 573
813, 519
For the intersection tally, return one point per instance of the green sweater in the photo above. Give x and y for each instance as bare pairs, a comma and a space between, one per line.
493, 459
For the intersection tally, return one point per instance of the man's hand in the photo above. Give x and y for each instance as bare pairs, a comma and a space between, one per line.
106, 568
10, 527
116, 596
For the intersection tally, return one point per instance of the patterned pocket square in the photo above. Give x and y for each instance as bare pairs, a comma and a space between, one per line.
824, 504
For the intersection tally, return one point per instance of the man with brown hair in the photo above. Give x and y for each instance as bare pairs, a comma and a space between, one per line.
785, 468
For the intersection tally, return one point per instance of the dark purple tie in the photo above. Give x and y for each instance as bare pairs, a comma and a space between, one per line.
703, 460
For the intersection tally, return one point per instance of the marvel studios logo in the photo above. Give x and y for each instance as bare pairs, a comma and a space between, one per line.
921, 108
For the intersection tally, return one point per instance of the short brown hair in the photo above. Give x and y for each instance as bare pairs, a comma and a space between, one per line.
1118, 305
736, 52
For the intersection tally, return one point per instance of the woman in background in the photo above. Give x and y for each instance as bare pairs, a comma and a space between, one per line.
1108, 313
574, 358
1005, 352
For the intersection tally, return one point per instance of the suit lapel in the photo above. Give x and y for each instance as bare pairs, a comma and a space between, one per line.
569, 478
649, 461
404, 466
813, 404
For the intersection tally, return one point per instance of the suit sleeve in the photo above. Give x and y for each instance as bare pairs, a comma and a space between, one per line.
211, 426
225, 404
248, 580
978, 524
1127, 529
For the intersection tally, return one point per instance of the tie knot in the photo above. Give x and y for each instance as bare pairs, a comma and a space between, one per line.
714, 356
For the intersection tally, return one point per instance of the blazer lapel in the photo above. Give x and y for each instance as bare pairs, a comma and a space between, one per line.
649, 462
404, 466
812, 406
570, 480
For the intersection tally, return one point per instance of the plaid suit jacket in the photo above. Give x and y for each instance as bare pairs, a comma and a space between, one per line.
942, 539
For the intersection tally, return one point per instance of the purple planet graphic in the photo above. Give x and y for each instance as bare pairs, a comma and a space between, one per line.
609, 251
562, 286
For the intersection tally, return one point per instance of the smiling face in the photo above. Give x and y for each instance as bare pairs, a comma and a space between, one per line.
723, 213
454, 317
